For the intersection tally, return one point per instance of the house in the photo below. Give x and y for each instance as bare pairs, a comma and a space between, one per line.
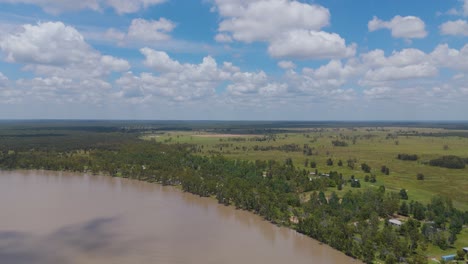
395, 222
449, 257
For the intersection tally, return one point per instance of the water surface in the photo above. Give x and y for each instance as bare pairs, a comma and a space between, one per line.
53, 217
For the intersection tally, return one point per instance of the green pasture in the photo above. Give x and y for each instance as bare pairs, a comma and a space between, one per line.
375, 147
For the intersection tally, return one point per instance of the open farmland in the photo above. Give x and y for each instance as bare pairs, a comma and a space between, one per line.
375, 147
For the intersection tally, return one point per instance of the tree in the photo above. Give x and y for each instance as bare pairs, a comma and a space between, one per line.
420, 177
313, 164
460, 254
383, 169
322, 198
365, 168
419, 211
403, 209
403, 194
340, 163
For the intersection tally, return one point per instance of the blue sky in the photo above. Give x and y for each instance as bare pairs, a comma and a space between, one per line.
234, 59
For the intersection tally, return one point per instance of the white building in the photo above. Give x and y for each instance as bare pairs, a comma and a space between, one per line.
395, 222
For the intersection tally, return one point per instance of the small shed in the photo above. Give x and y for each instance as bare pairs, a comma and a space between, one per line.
395, 222
449, 257
465, 249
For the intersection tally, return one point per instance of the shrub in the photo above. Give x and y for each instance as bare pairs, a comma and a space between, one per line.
338, 143
407, 157
451, 162
420, 177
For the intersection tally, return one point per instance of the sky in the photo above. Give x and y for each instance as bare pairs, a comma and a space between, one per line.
234, 59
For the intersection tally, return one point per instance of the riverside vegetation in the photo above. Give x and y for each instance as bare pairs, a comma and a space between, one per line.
337, 183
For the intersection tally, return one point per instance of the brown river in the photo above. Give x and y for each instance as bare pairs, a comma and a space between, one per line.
62, 218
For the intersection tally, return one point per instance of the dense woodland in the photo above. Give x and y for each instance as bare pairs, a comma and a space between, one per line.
356, 224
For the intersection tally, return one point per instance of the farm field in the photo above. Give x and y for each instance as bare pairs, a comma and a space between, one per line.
376, 147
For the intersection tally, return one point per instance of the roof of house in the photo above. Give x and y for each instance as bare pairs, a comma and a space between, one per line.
395, 221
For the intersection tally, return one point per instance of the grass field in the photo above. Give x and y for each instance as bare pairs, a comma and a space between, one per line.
375, 147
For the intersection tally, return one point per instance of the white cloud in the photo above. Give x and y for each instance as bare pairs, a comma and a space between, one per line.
45, 43
449, 58
295, 33
400, 65
303, 44
3, 80
455, 28
223, 38
178, 81
131, 6
66, 67
60, 6
259, 20
392, 73
8, 94
160, 61
150, 30
335, 73
64, 90
401, 27
286, 65
378, 92
143, 31
114, 64
465, 7
175, 81
53, 47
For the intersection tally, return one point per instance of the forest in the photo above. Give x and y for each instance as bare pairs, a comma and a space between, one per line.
330, 207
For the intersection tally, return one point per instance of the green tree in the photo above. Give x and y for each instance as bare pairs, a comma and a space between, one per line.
403, 194
403, 209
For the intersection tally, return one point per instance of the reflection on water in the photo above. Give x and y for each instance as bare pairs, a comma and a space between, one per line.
50, 217
92, 237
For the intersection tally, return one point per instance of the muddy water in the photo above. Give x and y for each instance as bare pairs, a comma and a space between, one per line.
49, 218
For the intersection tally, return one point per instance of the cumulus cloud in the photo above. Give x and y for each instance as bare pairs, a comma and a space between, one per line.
143, 31
407, 27
456, 28
250, 21
176, 81
296, 30
54, 46
179, 81
301, 44
60, 6
126, 6
45, 43
150, 30
66, 67
444, 56
400, 65
223, 38
465, 7
286, 65
8, 95
66, 90
3, 80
